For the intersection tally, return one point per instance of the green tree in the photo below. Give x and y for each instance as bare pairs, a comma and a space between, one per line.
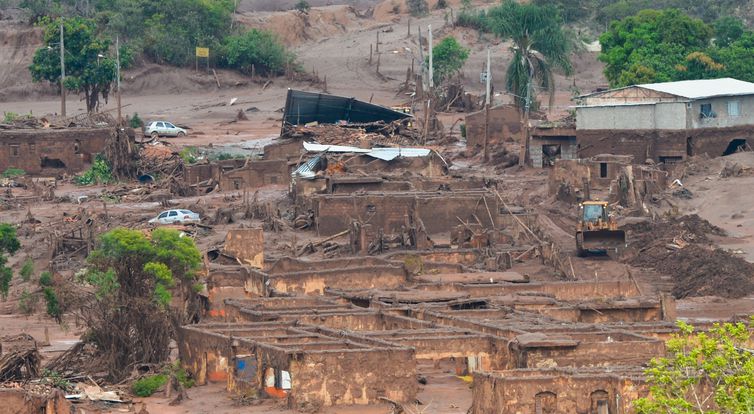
448, 57
259, 48
8, 244
727, 30
539, 45
653, 46
86, 72
703, 372
134, 279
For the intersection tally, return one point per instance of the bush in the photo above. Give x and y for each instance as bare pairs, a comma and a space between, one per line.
302, 6
463, 130
98, 173
53, 306
148, 385
26, 270
27, 303
45, 279
441, 4
9, 117
13, 173
475, 19
259, 48
188, 154
417, 7
135, 121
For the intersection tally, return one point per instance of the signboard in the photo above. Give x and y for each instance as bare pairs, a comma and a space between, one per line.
202, 52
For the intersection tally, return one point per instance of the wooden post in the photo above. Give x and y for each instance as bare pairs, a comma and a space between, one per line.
370, 53
377, 45
253, 72
409, 28
378, 62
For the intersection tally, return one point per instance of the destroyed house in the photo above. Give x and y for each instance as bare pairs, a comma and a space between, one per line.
306, 107
51, 151
667, 122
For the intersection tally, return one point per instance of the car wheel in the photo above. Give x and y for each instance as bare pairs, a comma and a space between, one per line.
181, 134
155, 135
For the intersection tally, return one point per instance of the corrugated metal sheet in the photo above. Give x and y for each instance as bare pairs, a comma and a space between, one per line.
306, 170
386, 154
703, 88
304, 107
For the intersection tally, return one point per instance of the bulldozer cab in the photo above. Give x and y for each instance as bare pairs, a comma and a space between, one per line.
594, 212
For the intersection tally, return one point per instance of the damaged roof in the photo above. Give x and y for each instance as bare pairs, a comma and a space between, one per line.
691, 89
385, 154
305, 107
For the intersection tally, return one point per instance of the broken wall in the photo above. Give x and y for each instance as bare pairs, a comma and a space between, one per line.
556, 391
35, 151
504, 124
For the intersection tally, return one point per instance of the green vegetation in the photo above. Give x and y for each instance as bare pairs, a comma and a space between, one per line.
417, 7
98, 173
448, 59
161, 31
53, 305
45, 279
134, 278
189, 155
259, 48
302, 6
8, 244
703, 372
56, 380
85, 71
27, 303
147, 386
135, 121
539, 46
668, 45
13, 173
26, 270
9, 117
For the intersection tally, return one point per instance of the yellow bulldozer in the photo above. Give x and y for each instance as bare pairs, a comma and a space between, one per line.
597, 230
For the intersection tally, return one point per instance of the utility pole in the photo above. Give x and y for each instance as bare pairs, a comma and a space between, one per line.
487, 102
117, 67
431, 69
62, 71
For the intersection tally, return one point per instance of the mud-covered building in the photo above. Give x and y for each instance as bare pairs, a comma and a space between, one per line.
669, 121
52, 151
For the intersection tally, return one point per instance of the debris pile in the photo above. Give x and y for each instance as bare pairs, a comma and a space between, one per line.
682, 248
363, 135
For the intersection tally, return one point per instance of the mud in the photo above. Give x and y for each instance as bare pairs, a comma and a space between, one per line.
683, 248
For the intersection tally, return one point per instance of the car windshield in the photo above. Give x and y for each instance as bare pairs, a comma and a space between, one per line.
169, 125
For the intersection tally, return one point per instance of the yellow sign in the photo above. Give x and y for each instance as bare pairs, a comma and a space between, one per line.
202, 52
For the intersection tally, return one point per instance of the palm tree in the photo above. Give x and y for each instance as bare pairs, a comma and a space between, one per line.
539, 45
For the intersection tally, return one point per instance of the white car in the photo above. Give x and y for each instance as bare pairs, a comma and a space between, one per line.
176, 217
157, 129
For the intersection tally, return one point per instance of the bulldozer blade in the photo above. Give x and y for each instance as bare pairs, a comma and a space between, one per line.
604, 239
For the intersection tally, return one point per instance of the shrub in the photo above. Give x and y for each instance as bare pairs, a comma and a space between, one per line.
463, 130
417, 7
27, 303
45, 279
9, 117
13, 172
136, 122
441, 4
256, 47
26, 270
148, 385
53, 306
188, 154
302, 6
98, 173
